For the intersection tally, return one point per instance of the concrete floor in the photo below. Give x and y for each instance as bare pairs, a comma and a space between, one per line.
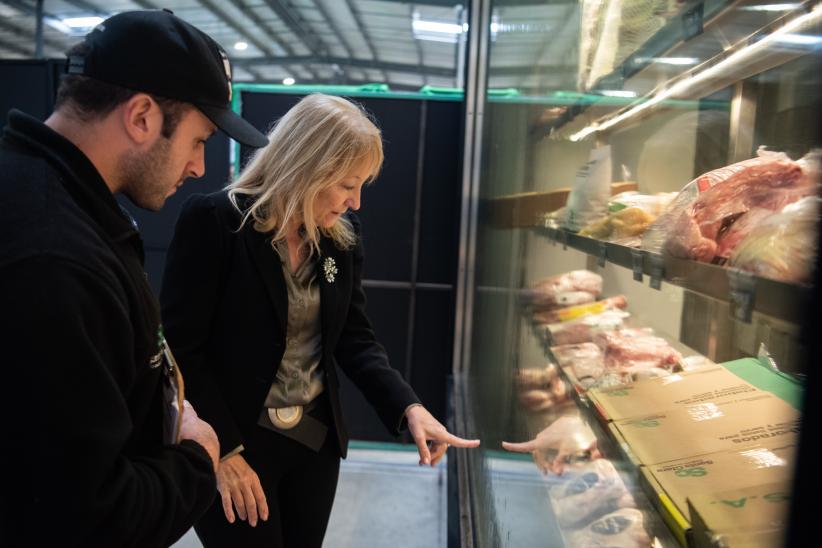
384, 499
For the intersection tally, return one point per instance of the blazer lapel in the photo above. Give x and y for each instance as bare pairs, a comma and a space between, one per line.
329, 258
270, 268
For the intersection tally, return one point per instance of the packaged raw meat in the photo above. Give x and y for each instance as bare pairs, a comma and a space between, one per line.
528, 379
571, 288
710, 227
580, 310
624, 528
536, 400
629, 215
584, 361
594, 489
631, 350
783, 246
583, 329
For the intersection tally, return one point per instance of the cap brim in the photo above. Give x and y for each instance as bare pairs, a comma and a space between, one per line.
234, 126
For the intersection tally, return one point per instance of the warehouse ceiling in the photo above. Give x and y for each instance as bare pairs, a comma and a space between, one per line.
406, 45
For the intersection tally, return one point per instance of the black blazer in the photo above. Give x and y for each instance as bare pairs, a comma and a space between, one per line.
225, 308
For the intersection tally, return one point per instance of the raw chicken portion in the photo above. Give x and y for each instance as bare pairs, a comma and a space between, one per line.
584, 329
701, 231
571, 288
535, 378
631, 350
574, 312
596, 489
783, 246
621, 529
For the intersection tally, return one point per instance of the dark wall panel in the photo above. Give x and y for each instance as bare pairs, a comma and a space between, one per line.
386, 309
433, 348
28, 86
441, 191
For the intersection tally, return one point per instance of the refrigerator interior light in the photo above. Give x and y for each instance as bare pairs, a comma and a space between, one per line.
687, 81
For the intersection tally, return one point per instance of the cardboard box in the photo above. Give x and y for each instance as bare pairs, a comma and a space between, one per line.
752, 466
709, 427
713, 383
749, 517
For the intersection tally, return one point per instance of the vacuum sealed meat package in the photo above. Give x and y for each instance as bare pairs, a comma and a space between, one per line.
584, 360
633, 350
594, 489
624, 528
572, 288
583, 329
580, 310
783, 245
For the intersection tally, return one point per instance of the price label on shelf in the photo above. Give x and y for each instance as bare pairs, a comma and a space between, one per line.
657, 270
602, 254
637, 264
563, 238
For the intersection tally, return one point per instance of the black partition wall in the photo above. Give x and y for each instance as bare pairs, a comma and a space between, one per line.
410, 218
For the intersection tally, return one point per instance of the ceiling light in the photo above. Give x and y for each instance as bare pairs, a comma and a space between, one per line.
288, 81
465, 27
421, 25
240, 46
617, 93
668, 60
682, 85
82, 22
770, 7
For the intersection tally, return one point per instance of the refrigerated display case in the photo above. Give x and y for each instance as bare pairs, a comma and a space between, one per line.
641, 214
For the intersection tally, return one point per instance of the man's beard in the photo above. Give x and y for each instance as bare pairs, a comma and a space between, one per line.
145, 177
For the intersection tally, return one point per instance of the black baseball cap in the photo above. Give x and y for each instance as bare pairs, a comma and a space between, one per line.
156, 52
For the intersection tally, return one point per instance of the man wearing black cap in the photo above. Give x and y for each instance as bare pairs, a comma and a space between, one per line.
94, 451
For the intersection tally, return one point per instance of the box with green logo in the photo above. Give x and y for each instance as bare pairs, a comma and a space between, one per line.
713, 383
751, 517
709, 427
672, 483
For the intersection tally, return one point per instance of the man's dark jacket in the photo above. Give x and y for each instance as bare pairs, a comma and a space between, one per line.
83, 457
225, 309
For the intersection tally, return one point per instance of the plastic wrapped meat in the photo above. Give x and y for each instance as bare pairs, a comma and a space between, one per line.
624, 528
701, 230
783, 246
585, 360
629, 215
528, 379
657, 234
584, 329
571, 288
633, 350
594, 490
578, 311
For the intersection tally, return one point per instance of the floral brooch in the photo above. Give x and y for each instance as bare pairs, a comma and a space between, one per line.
330, 269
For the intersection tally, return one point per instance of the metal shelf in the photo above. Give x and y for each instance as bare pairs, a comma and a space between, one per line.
746, 292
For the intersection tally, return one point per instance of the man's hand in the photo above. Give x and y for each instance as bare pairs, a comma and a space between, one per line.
566, 436
195, 429
239, 483
424, 428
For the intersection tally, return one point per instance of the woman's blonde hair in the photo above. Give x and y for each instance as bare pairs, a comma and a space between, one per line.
317, 143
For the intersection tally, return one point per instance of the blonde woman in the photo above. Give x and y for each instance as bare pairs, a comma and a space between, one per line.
262, 304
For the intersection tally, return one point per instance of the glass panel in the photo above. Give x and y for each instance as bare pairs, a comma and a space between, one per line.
612, 108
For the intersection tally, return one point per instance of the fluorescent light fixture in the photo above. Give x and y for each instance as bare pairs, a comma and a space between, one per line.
465, 27
420, 25
82, 22
738, 57
73, 26
770, 7
617, 93
668, 60
288, 81
240, 46
800, 39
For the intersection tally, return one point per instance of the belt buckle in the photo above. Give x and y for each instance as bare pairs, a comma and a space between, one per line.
285, 418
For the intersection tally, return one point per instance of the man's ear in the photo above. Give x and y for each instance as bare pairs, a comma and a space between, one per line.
142, 119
